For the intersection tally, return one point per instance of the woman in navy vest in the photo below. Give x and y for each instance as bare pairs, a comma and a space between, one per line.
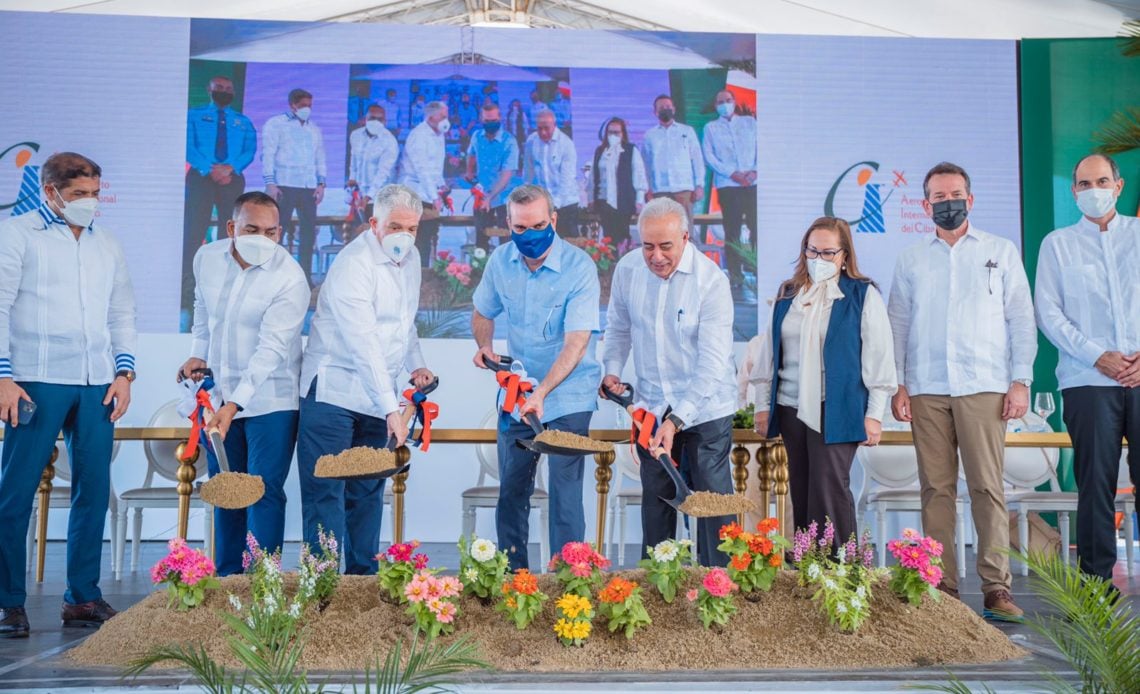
827, 374
618, 182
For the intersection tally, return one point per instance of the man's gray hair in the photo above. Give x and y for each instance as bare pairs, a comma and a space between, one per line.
663, 207
433, 107
395, 196
1111, 164
528, 193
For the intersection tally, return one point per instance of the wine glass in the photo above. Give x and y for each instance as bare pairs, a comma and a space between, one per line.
1043, 405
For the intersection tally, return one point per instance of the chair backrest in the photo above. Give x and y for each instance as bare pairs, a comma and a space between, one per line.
895, 467
488, 453
160, 454
63, 460
627, 467
1026, 468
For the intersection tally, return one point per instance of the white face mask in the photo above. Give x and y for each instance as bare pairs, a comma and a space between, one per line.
614, 140
304, 113
397, 246
1096, 202
255, 249
80, 212
821, 270
443, 126
373, 127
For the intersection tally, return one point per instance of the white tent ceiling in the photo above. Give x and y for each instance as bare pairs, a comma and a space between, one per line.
930, 18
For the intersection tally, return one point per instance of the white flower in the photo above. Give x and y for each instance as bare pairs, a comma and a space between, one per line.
479, 253
841, 555
295, 610
856, 603
685, 542
235, 603
829, 584
814, 571
841, 571
840, 608
861, 592
471, 574
482, 550
665, 551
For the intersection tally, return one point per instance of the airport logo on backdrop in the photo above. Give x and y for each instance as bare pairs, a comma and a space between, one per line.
860, 195
27, 195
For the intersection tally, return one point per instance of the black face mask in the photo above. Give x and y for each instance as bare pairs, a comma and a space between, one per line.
492, 126
949, 214
222, 99
665, 115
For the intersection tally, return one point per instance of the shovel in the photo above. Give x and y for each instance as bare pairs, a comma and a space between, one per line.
683, 491
506, 363
407, 415
231, 490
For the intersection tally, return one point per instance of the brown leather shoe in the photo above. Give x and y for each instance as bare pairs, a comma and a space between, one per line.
13, 623
86, 615
952, 592
999, 607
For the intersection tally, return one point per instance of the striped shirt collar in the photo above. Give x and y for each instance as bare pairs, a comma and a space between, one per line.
49, 217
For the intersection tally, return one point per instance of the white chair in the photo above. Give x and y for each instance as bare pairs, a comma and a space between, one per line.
61, 498
483, 495
1025, 469
890, 484
160, 463
1126, 504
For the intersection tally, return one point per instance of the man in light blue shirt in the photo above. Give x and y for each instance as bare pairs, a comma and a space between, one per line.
730, 150
1088, 291
220, 143
548, 291
492, 160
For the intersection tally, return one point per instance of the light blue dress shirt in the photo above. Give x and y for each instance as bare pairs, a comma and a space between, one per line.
202, 134
541, 307
492, 157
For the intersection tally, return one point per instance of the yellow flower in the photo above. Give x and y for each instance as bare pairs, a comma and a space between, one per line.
581, 629
564, 629
573, 605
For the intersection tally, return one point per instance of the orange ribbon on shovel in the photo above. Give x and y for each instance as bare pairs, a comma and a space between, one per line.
198, 419
426, 412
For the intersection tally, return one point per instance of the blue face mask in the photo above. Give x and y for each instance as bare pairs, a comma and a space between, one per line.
532, 243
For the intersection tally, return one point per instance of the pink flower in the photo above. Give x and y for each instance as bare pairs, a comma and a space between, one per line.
446, 613
577, 553
453, 269
463, 278
420, 561
450, 586
581, 570
691, 595
416, 590
717, 583
931, 574
553, 562
932, 547
911, 535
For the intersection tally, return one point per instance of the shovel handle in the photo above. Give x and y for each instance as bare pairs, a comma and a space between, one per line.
504, 363
426, 389
624, 399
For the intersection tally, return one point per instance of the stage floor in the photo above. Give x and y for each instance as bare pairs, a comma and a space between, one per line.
38, 664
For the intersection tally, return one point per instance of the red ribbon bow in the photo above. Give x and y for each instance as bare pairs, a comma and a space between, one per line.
514, 387
197, 423
642, 435
426, 412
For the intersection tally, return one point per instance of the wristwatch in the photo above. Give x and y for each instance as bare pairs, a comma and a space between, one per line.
1027, 382
678, 423
128, 374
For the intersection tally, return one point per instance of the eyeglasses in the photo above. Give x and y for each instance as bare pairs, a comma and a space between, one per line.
826, 253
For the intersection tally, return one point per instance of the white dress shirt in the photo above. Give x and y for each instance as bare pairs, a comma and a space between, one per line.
673, 158
373, 159
552, 165
247, 327
876, 358
962, 316
67, 310
421, 163
292, 152
730, 146
680, 332
608, 164
363, 334
1088, 296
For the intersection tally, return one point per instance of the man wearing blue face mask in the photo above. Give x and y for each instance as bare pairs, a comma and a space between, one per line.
548, 290
965, 340
250, 299
492, 160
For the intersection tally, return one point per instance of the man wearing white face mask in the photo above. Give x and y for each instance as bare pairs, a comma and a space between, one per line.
363, 336
421, 169
67, 340
250, 299
730, 150
965, 340
1088, 291
294, 168
373, 159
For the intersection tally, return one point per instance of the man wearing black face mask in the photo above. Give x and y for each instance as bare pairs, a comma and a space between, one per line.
492, 160
673, 158
220, 143
965, 340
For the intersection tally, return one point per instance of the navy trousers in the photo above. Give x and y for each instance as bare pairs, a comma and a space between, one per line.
351, 510
263, 446
87, 430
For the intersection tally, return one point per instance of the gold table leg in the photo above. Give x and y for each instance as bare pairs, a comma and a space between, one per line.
764, 474
740, 456
187, 473
42, 518
399, 486
780, 475
603, 473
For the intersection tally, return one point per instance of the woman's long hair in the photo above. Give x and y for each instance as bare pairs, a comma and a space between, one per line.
604, 130
801, 278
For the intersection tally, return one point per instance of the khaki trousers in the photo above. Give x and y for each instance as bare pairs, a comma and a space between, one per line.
942, 426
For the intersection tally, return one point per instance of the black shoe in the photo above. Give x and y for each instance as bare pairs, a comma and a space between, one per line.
86, 615
13, 623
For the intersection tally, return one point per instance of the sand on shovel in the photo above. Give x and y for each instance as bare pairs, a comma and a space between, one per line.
232, 490
356, 462
564, 439
710, 504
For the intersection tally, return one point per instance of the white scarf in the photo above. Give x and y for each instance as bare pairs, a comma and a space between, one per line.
813, 301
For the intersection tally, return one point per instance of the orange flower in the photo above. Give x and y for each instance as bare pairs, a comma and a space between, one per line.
617, 590
730, 531
524, 582
512, 603
506, 587
760, 545
741, 562
775, 560
767, 525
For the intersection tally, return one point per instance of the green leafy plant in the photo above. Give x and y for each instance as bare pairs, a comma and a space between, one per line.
481, 567
745, 417
664, 567
754, 558
620, 602
714, 598
428, 667
522, 600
